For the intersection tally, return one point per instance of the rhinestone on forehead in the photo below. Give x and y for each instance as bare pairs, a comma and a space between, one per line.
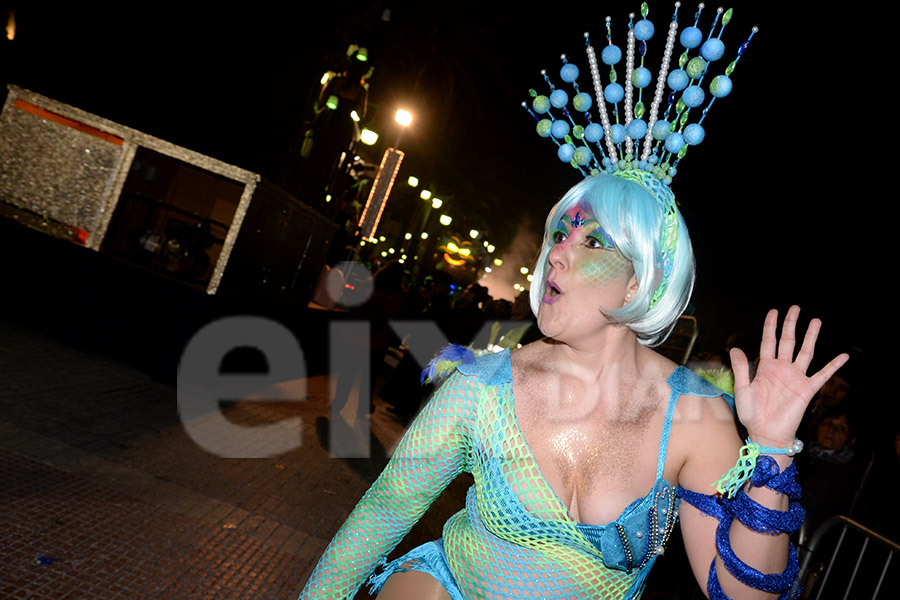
577, 221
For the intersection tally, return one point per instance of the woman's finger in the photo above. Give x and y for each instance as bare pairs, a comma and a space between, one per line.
805, 356
789, 334
767, 347
819, 379
741, 369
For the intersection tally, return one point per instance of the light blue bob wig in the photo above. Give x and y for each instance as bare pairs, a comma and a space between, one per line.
633, 217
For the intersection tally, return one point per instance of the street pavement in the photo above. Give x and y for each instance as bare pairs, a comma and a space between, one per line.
103, 494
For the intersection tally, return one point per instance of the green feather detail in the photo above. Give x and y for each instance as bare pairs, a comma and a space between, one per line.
722, 378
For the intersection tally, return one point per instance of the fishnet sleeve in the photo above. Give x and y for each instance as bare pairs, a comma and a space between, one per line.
436, 448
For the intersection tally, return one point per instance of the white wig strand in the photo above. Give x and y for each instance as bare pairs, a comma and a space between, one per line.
633, 218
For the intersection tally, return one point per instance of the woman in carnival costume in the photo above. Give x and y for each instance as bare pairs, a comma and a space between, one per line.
587, 447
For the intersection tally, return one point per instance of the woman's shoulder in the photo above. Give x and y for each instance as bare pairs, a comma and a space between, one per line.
490, 368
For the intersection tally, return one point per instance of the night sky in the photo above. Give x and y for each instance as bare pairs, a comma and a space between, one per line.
774, 206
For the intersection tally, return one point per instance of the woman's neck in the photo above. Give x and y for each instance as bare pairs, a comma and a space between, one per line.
615, 353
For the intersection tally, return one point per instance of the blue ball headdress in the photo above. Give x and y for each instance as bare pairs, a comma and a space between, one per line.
630, 141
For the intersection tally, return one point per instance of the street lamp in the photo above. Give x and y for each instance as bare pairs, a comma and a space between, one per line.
403, 117
368, 137
446, 220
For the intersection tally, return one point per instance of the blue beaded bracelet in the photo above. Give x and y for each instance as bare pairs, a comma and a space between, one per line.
735, 477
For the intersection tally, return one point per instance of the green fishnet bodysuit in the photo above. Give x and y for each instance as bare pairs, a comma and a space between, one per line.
515, 538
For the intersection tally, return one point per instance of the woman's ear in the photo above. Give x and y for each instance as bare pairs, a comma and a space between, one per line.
631, 290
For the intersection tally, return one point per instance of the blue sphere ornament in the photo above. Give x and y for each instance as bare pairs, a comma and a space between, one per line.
712, 49
611, 55
582, 102
694, 134
617, 133
637, 129
674, 142
543, 127
720, 86
593, 133
565, 152
696, 67
643, 30
641, 77
693, 96
559, 129
541, 104
614, 93
678, 80
559, 98
691, 37
660, 130
582, 156
568, 72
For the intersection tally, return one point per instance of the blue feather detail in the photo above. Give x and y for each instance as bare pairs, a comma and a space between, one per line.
447, 360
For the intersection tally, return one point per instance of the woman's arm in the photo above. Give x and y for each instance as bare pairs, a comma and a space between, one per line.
770, 408
435, 449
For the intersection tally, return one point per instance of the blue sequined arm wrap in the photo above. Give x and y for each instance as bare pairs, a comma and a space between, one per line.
758, 518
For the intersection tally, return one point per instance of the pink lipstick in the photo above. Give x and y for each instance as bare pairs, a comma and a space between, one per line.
552, 293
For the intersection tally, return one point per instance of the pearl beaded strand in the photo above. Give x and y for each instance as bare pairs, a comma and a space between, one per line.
598, 92
629, 85
661, 83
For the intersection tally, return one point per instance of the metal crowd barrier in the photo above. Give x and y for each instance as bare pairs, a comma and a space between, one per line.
827, 572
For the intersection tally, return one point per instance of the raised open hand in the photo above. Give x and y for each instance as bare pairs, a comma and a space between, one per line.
772, 405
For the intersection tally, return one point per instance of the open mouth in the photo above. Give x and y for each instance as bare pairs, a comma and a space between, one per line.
552, 292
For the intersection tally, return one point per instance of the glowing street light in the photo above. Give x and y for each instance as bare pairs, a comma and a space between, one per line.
425, 195
403, 117
436, 203
368, 137
413, 181
446, 220
473, 233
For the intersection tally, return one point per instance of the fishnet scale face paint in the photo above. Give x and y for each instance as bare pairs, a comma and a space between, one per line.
610, 266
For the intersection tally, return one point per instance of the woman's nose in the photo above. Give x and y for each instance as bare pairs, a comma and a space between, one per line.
557, 257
